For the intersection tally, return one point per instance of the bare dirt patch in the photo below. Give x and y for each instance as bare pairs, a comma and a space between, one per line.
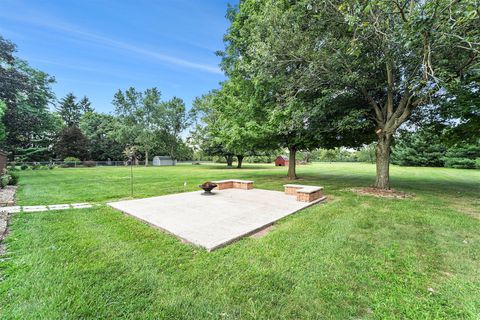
467, 210
392, 193
262, 232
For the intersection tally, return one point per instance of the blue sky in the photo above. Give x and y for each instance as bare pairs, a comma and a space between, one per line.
94, 48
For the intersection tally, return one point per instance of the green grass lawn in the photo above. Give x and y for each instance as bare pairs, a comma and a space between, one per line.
354, 257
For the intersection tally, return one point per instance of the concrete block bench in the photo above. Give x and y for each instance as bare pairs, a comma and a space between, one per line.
234, 183
304, 193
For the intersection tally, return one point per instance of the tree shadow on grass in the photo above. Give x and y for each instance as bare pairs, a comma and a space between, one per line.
340, 180
245, 167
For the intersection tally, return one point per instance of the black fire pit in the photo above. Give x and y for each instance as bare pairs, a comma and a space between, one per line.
208, 187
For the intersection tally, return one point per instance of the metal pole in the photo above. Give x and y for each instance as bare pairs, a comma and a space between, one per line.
131, 178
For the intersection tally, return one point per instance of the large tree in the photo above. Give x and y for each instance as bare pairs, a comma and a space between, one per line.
205, 134
242, 126
173, 120
228, 123
27, 94
139, 114
393, 55
149, 123
297, 120
100, 130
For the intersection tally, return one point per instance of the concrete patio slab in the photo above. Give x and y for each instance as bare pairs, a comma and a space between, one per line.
213, 221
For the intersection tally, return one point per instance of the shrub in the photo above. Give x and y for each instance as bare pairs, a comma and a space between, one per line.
89, 163
24, 166
12, 166
70, 162
13, 179
463, 156
36, 166
460, 163
51, 166
5, 179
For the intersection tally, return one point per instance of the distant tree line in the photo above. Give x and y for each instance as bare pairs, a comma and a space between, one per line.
420, 148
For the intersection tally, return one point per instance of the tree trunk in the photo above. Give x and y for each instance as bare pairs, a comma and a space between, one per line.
229, 160
146, 158
382, 150
239, 161
292, 173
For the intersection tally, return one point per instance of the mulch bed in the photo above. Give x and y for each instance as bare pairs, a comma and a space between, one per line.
392, 193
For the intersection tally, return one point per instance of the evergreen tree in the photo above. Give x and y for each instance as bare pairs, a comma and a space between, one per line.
464, 156
72, 111
422, 148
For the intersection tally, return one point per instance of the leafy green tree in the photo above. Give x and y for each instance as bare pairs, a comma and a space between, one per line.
147, 122
174, 120
207, 128
100, 130
459, 109
366, 153
3, 133
184, 152
395, 56
229, 123
72, 143
300, 119
136, 112
27, 93
242, 127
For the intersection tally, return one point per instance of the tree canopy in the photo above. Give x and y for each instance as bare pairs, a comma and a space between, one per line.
393, 57
147, 122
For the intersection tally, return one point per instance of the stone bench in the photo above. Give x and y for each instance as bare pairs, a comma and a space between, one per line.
234, 183
304, 193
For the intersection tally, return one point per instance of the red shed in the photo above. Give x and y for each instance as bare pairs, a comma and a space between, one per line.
281, 161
